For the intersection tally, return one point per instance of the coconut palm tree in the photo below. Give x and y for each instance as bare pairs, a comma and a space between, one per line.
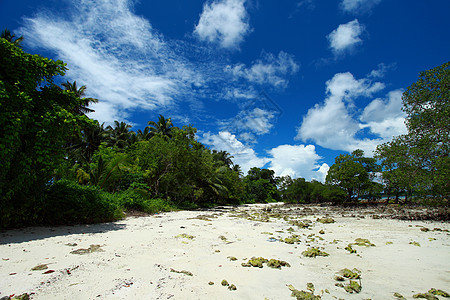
144, 135
80, 92
119, 134
163, 127
7, 35
82, 148
224, 157
92, 137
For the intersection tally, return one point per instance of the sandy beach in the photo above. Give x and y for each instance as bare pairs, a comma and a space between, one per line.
187, 255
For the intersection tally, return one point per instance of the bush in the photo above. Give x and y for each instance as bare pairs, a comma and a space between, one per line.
67, 202
138, 198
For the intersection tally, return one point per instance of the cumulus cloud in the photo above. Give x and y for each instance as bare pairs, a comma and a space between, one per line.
346, 37
119, 56
293, 160
129, 66
297, 161
336, 123
358, 6
224, 22
384, 117
269, 69
344, 86
244, 156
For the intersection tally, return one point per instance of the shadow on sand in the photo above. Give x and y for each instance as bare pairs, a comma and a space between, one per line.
17, 236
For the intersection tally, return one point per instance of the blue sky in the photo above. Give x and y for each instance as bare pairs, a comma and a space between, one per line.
286, 85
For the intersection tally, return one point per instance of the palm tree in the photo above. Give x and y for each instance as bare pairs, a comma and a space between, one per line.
93, 136
224, 157
79, 93
238, 170
119, 135
7, 35
82, 148
103, 173
132, 138
163, 127
144, 135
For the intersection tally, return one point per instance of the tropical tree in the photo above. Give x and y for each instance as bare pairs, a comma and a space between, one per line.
237, 168
261, 186
427, 104
420, 160
397, 167
295, 190
36, 120
299, 190
82, 108
10, 37
104, 171
82, 148
162, 127
224, 157
352, 173
119, 135
144, 135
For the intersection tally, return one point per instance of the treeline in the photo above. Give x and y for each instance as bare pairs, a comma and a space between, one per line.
57, 166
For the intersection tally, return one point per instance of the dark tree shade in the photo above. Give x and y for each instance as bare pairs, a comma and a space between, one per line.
35, 121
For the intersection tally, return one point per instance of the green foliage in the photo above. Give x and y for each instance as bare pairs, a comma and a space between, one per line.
11, 37
138, 198
66, 202
163, 127
119, 135
301, 191
396, 162
181, 169
419, 162
82, 108
36, 121
105, 170
261, 186
82, 147
353, 174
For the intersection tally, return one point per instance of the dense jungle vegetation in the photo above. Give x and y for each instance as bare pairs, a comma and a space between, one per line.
58, 166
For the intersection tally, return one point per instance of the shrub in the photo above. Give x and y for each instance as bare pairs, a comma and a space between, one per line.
138, 198
67, 202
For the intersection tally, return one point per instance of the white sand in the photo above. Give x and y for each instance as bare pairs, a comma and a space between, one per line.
139, 254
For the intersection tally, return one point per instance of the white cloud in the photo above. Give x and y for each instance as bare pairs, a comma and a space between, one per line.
249, 123
118, 55
293, 160
267, 70
329, 125
129, 66
336, 123
323, 172
384, 117
346, 37
358, 6
344, 86
244, 156
297, 161
232, 93
257, 121
381, 71
224, 22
